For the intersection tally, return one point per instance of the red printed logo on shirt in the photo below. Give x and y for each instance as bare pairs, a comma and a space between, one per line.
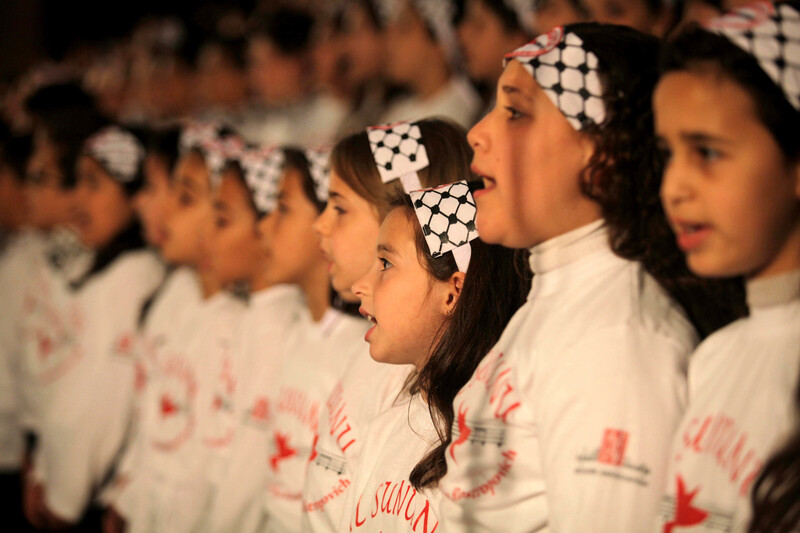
463, 431
685, 514
612, 451
282, 450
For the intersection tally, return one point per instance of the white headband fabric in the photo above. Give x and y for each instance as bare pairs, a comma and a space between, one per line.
262, 168
118, 151
214, 143
567, 71
771, 34
399, 153
447, 217
319, 167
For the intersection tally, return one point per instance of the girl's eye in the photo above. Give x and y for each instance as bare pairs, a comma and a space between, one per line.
339, 210
185, 199
283, 208
514, 113
221, 223
385, 265
707, 154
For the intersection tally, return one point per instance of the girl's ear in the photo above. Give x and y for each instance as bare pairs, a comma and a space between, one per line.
453, 291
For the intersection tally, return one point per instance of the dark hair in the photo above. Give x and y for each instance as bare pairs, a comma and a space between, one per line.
67, 116
776, 492
495, 287
288, 28
624, 176
238, 173
449, 157
14, 151
508, 17
164, 143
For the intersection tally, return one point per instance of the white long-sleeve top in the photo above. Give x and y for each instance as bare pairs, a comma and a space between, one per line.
175, 302
742, 381
456, 100
316, 354
383, 498
566, 424
365, 389
86, 422
22, 256
237, 504
185, 421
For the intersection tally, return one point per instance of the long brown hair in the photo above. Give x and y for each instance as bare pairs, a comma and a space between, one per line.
495, 287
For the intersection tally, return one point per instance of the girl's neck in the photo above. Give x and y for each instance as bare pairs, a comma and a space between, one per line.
317, 290
430, 80
259, 281
209, 286
786, 260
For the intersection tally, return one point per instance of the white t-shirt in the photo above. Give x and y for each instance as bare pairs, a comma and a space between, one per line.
22, 255
457, 100
175, 302
383, 498
316, 354
566, 423
742, 381
186, 421
87, 419
259, 346
365, 389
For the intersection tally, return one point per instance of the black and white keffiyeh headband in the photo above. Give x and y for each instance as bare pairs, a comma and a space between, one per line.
447, 217
446, 213
771, 34
567, 71
437, 14
399, 153
118, 151
262, 168
217, 144
319, 167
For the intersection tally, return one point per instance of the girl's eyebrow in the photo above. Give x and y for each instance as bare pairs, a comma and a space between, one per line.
510, 90
697, 137
386, 248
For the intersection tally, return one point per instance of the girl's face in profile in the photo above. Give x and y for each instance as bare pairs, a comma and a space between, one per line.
406, 305
101, 210
152, 203
236, 251
191, 217
292, 249
347, 231
729, 192
48, 203
531, 161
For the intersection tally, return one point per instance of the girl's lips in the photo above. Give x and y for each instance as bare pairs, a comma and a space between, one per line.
369, 333
690, 236
489, 185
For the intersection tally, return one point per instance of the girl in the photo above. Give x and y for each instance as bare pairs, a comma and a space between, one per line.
422, 54
348, 229
727, 113
151, 203
84, 426
186, 355
246, 196
581, 395
324, 339
421, 302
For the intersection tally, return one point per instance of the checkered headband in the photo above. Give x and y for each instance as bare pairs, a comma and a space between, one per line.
262, 168
399, 153
447, 217
568, 74
118, 151
319, 167
215, 142
771, 34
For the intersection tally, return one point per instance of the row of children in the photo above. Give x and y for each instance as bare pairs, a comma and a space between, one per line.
623, 382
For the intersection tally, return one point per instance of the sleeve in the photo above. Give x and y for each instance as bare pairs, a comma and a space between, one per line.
606, 409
